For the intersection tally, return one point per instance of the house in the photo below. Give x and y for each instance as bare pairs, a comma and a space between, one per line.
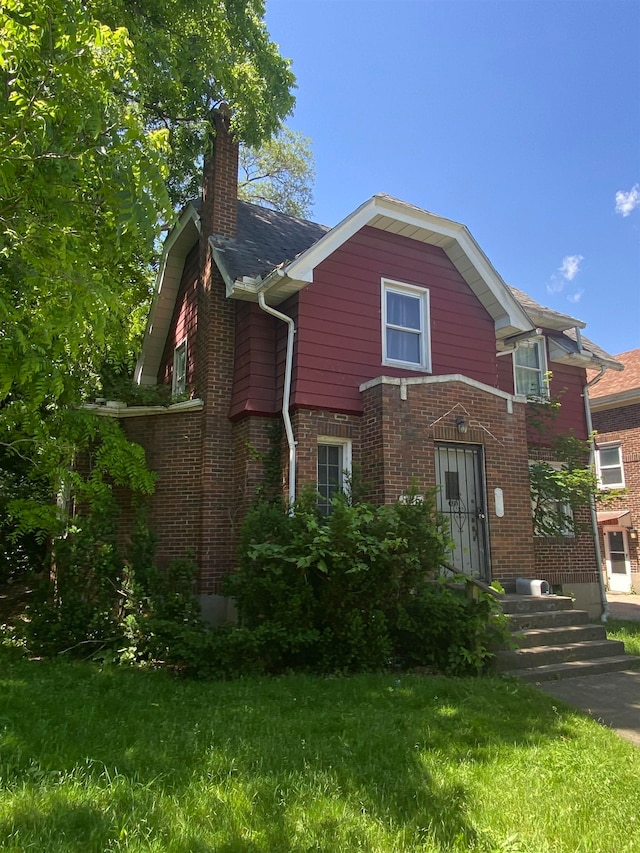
389, 341
615, 404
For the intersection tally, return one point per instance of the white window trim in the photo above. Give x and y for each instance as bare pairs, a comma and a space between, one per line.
608, 445
174, 379
388, 284
347, 447
544, 368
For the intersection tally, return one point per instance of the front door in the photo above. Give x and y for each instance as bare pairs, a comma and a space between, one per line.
461, 499
617, 556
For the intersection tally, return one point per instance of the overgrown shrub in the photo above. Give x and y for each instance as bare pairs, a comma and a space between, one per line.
356, 590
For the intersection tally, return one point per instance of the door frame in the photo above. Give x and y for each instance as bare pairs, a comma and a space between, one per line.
482, 515
608, 528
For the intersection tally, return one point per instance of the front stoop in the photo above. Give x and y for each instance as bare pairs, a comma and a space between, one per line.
555, 641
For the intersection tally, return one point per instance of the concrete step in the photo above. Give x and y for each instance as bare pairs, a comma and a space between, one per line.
574, 668
514, 659
547, 619
559, 634
535, 603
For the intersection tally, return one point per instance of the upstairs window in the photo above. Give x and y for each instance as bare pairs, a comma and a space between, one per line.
334, 462
530, 369
179, 381
610, 469
405, 326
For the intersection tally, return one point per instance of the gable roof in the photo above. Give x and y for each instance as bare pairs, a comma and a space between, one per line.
389, 214
277, 254
618, 389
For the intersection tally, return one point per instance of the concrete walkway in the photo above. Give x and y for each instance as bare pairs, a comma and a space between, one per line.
612, 698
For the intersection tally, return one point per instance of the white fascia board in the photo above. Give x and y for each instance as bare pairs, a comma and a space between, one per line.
218, 257
171, 265
125, 411
615, 401
553, 320
301, 269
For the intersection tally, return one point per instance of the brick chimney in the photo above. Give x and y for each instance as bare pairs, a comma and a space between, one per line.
219, 214
214, 360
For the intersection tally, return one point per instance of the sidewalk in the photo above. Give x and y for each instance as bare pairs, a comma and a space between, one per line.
612, 698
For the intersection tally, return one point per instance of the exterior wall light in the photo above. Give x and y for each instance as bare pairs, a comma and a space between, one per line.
461, 425
633, 534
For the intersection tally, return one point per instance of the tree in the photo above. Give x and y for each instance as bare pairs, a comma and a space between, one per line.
188, 57
279, 173
101, 104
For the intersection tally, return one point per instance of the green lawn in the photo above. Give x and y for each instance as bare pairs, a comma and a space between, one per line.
628, 632
130, 760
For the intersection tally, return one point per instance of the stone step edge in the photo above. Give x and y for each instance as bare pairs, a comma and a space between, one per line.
573, 669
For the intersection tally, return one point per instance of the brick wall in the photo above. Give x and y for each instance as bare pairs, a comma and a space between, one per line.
399, 439
623, 424
172, 446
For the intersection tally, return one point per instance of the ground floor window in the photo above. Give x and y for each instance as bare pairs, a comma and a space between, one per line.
334, 468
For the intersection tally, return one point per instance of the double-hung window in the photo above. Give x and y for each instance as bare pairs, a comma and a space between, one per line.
405, 326
610, 469
179, 380
334, 467
530, 369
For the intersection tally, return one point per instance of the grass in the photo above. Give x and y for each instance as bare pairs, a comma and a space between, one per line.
628, 632
115, 759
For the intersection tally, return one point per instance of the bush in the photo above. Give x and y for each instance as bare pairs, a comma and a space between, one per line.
355, 590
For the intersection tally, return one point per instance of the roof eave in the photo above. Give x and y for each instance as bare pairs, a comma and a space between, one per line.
179, 242
389, 214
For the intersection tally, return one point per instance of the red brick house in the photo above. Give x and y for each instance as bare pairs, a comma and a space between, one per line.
389, 341
615, 404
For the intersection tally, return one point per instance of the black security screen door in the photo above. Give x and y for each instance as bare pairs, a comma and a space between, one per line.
461, 499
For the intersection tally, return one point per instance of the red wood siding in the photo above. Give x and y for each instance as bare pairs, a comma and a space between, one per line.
567, 384
339, 333
254, 378
184, 321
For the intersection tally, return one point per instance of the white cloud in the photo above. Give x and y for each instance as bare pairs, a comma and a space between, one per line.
575, 297
567, 271
627, 202
555, 284
570, 266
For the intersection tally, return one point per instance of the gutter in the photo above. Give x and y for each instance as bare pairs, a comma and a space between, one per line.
592, 501
286, 396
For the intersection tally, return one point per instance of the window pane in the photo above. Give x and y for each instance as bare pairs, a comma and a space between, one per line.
403, 310
610, 456
528, 355
403, 346
330, 467
610, 477
529, 382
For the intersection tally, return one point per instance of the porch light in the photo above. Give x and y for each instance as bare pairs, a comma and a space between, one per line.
633, 534
461, 425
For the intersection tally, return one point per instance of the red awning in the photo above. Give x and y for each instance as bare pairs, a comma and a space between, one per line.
621, 517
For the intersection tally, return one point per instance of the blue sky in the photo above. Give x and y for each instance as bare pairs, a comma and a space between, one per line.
519, 119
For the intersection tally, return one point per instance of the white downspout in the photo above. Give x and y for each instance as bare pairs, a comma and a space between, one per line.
592, 502
286, 395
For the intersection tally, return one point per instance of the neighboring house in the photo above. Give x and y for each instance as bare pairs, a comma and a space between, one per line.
615, 404
389, 342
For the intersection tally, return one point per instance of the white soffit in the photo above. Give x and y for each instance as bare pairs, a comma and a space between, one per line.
176, 248
397, 217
